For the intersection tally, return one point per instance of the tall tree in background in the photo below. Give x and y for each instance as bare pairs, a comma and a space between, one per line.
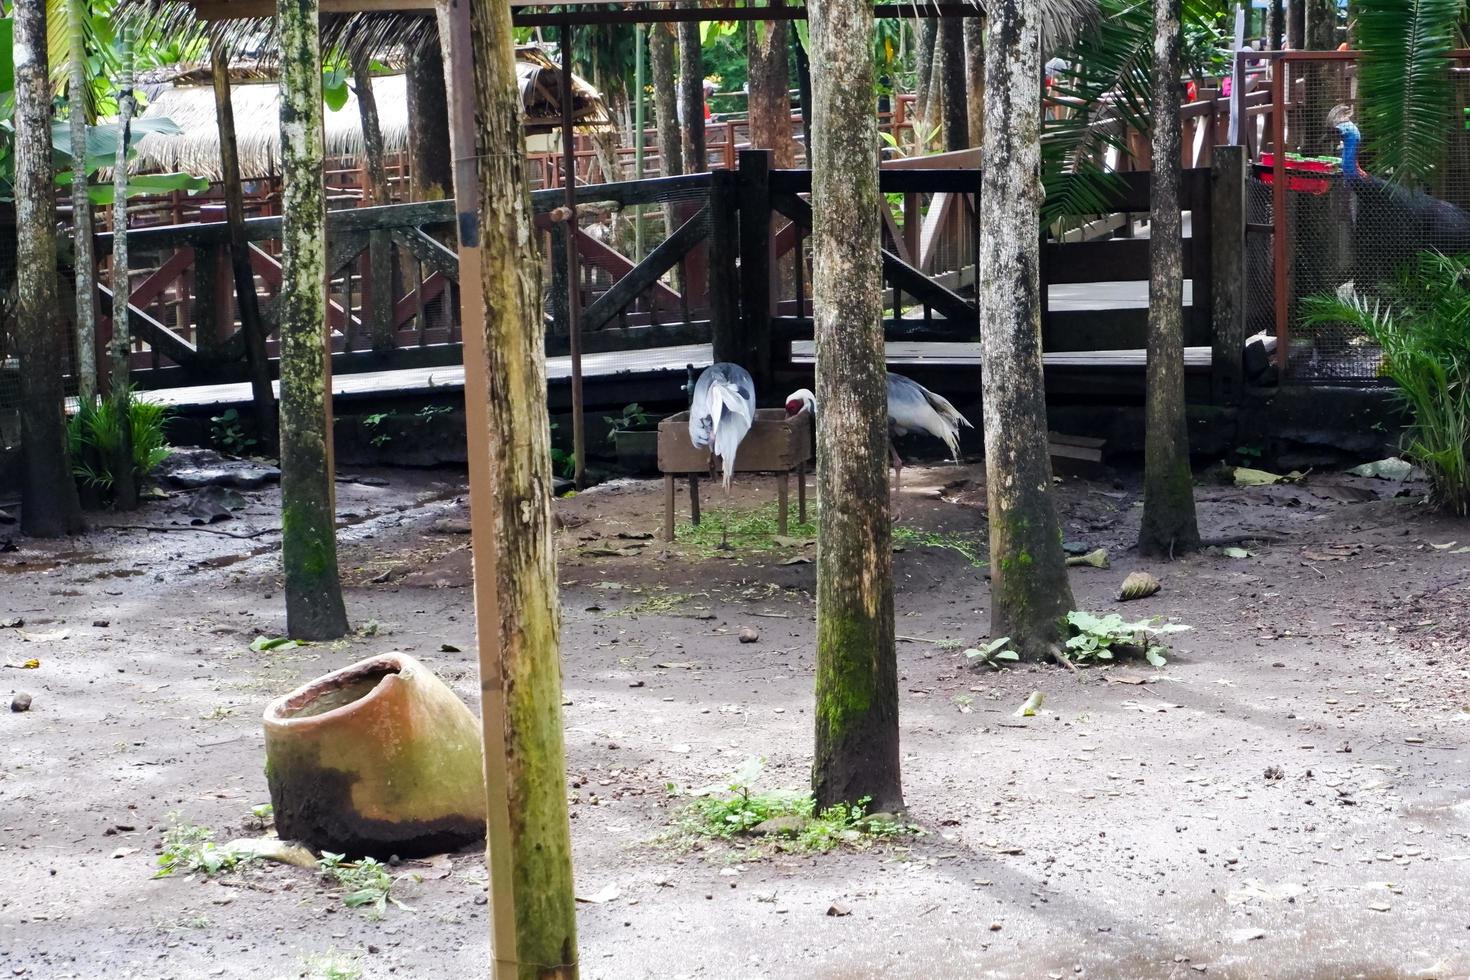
975, 77
119, 382
529, 842
81, 204
857, 745
927, 34
1169, 527
665, 97
48, 503
252, 327
314, 609
691, 95
380, 247
956, 117
769, 75
1029, 591
429, 170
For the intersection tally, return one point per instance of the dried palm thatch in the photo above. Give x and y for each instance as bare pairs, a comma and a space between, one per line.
256, 97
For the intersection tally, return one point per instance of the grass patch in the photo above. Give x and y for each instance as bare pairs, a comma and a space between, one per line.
332, 965
192, 849
659, 602
366, 884
970, 547
750, 530
735, 809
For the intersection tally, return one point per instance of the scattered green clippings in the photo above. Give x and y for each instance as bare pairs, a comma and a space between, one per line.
970, 547
263, 812
992, 653
332, 965
192, 849
265, 643
1100, 638
1031, 705
366, 883
1236, 552
749, 530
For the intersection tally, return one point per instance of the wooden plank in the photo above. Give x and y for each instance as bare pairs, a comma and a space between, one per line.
724, 275
647, 191
1115, 260
428, 251
757, 263
158, 336
618, 265
342, 248
647, 273
161, 278
653, 336
774, 444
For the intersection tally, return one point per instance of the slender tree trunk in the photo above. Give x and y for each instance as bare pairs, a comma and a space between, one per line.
665, 98
263, 398
48, 503
124, 477
975, 77
1030, 594
770, 97
956, 103
1169, 526
804, 86
430, 173
530, 851
314, 609
380, 245
924, 89
1276, 24
857, 676
1296, 24
691, 95
81, 208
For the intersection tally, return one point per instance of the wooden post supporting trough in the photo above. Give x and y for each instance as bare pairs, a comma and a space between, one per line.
1228, 216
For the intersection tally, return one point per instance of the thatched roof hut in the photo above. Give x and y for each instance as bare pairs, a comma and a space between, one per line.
188, 99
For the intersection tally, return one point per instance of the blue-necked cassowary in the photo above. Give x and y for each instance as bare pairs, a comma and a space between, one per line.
911, 408
721, 412
1391, 222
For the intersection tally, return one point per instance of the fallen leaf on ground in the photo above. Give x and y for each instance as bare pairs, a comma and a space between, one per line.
1122, 677
1244, 476
43, 637
1392, 468
1235, 552
1138, 585
273, 849
606, 894
1029, 709
838, 909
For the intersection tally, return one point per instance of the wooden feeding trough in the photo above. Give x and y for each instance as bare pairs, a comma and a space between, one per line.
776, 443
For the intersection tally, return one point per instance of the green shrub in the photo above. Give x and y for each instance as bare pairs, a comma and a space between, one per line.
95, 435
1422, 323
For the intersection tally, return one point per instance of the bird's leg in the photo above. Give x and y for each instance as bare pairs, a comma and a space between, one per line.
897, 476
725, 524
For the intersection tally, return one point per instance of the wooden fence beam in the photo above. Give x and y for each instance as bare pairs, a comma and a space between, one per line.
647, 273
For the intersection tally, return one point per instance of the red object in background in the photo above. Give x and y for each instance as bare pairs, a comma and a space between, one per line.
1295, 169
1191, 92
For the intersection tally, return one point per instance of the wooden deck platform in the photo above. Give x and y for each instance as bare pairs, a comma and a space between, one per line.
655, 375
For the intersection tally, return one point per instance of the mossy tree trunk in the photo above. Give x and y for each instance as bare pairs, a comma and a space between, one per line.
49, 507
124, 478
81, 205
314, 609
1030, 594
857, 752
766, 50
691, 95
1169, 526
380, 244
530, 838
429, 171
263, 398
975, 77
956, 102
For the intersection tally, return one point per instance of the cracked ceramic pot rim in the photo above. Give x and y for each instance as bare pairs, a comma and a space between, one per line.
285, 710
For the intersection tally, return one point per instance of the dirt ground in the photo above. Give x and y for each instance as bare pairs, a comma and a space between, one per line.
1287, 798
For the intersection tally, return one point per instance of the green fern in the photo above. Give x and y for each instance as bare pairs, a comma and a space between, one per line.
95, 433
1404, 80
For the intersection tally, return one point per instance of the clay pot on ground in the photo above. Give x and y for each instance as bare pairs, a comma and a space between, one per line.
379, 758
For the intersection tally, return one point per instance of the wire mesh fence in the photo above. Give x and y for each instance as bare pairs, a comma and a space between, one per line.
1351, 223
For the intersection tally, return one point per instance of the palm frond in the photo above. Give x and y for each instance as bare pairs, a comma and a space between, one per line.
1405, 83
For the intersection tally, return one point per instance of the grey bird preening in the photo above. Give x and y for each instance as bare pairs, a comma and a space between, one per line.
720, 415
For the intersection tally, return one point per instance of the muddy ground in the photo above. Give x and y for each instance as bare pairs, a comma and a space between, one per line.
1287, 798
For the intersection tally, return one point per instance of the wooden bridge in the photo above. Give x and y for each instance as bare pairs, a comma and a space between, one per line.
730, 282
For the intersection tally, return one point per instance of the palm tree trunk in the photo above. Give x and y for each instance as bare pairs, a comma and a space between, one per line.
124, 477
1030, 593
49, 507
691, 95
81, 207
530, 854
314, 609
857, 749
263, 398
1169, 527
766, 51
975, 77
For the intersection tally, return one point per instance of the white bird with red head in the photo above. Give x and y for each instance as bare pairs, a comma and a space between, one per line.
911, 408
722, 412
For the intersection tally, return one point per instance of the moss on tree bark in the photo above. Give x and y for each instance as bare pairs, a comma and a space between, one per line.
124, 477
314, 609
49, 505
1169, 527
1030, 594
81, 204
531, 838
857, 741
